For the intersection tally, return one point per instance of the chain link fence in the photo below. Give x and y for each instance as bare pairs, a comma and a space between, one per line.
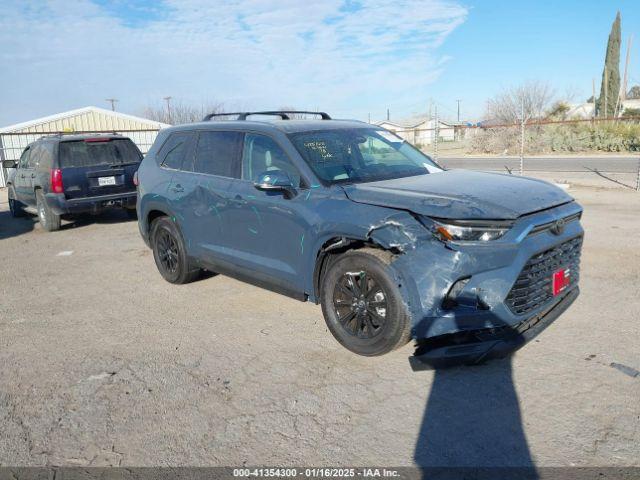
532, 146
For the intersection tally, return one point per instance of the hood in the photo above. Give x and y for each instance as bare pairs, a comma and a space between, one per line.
461, 195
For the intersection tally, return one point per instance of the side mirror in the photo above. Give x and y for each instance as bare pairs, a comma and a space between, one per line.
9, 163
275, 181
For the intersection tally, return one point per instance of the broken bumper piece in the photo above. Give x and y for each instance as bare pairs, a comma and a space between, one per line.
474, 347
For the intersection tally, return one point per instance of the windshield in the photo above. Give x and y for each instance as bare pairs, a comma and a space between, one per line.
360, 155
89, 153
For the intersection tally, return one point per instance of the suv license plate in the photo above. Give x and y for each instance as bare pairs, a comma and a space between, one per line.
104, 181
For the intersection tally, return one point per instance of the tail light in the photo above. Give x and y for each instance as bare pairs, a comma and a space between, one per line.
135, 179
56, 181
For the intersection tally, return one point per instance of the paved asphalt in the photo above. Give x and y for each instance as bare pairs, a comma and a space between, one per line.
104, 363
604, 164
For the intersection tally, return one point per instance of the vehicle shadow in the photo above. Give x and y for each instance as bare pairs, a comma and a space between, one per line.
86, 219
472, 425
13, 227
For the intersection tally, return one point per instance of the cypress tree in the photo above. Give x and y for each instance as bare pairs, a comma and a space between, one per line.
610, 87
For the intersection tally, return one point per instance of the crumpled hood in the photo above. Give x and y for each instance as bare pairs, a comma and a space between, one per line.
461, 194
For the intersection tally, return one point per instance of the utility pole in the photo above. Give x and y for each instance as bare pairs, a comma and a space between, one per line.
436, 135
388, 115
458, 110
113, 103
369, 116
623, 90
522, 138
168, 100
593, 96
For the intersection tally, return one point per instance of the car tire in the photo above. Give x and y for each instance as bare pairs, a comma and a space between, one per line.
48, 220
15, 206
132, 213
170, 254
362, 304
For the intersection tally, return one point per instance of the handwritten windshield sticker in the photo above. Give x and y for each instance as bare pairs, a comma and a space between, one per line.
319, 148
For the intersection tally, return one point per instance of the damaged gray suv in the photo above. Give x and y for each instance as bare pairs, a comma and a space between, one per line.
348, 215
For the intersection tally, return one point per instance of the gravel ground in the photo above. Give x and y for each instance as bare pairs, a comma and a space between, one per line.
104, 363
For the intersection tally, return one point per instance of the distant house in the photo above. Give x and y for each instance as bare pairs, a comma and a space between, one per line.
585, 110
422, 132
14, 138
580, 110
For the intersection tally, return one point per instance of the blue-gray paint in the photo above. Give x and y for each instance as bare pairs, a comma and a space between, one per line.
277, 238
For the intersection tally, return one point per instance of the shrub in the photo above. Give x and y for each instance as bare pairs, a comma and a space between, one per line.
568, 137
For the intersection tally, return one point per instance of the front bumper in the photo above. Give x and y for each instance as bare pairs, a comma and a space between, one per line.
489, 345
427, 272
60, 205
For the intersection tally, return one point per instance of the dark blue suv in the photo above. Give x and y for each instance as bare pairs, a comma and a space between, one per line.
348, 215
68, 174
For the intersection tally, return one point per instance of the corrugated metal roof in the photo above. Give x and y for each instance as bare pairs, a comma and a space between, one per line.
85, 117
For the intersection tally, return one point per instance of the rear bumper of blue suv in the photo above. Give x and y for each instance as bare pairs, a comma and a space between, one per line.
60, 205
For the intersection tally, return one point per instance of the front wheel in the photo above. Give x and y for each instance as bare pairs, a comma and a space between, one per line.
15, 206
362, 304
169, 252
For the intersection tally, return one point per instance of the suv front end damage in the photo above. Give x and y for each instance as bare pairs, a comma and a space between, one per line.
474, 300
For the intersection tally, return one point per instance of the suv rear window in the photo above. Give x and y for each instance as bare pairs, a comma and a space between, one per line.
89, 153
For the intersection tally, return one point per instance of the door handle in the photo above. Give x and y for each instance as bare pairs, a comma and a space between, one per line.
177, 188
33, 175
238, 200
22, 176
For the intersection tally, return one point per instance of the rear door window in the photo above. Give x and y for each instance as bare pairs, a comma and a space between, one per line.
174, 150
96, 152
217, 153
35, 153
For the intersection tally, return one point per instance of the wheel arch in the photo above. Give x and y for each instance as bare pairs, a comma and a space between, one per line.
330, 250
152, 215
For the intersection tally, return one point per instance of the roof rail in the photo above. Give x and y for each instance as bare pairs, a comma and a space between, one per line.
211, 115
283, 114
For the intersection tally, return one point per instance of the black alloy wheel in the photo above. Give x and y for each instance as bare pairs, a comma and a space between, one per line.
360, 304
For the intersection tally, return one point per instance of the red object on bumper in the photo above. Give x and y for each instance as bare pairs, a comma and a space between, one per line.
561, 280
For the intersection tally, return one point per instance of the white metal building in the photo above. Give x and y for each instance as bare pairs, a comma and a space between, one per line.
14, 138
421, 132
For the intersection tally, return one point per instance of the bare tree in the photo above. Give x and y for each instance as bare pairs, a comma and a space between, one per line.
559, 110
532, 97
181, 112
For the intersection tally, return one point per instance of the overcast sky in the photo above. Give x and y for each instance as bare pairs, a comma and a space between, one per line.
350, 58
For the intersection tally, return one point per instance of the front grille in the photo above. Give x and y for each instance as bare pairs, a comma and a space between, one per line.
533, 288
547, 226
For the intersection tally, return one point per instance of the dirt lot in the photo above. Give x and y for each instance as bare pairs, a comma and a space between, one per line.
104, 363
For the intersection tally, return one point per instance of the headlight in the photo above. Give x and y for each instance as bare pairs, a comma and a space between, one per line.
467, 231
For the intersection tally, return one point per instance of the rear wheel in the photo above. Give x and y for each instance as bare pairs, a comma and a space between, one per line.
169, 252
48, 220
132, 213
15, 206
362, 305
